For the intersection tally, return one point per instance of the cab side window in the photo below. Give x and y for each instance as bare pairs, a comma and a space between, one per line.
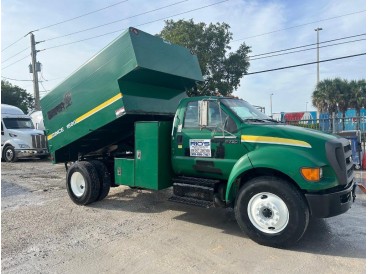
191, 115
217, 118
214, 117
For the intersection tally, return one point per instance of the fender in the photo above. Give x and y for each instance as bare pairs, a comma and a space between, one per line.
241, 166
14, 142
285, 159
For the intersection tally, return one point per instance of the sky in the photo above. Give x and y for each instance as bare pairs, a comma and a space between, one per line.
265, 26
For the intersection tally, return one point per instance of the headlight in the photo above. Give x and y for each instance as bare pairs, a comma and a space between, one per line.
311, 174
13, 135
23, 146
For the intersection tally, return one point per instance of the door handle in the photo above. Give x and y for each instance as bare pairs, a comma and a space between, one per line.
179, 139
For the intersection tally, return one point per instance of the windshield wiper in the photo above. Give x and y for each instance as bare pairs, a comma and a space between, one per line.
261, 120
272, 120
256, 120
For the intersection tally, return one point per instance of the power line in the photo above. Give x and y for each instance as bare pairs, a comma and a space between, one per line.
306, 49
16, 62
328, 41
18, 80
7, 78
68, 20
44, 89
23, 50
305, 64
297, 26
88, 13
146, 23
13, 44
113, 22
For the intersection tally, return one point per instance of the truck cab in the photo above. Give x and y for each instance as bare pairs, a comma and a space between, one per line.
262, 168
19, 138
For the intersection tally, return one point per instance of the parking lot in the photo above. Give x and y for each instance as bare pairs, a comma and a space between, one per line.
135, 231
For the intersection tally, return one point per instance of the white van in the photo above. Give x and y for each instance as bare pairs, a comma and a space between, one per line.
19, 138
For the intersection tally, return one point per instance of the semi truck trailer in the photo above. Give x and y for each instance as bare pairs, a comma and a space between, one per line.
124, 118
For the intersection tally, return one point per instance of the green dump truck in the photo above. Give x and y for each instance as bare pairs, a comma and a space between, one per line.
124, 118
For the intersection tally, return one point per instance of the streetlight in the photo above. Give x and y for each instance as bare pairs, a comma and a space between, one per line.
317, 30
271, 104
306, 106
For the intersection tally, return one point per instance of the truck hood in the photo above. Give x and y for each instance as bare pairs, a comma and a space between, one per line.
285, 135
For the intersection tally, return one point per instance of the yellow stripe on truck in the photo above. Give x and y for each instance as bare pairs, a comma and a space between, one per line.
99, 107
274, 141
89, 113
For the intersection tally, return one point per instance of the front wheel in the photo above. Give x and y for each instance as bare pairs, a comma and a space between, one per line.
9, 154
271, 211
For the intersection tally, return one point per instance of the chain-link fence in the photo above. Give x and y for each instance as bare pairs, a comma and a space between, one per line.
332, 125
348, 127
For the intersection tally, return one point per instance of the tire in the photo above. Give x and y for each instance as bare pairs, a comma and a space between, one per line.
104, 178
9, 154
271, 211
82, 183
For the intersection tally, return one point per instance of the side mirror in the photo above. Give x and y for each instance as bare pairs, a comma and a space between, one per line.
203, 113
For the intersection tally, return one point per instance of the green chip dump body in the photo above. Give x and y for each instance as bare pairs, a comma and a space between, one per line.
136, 77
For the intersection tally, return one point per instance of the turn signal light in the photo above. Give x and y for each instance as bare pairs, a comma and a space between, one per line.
311, 174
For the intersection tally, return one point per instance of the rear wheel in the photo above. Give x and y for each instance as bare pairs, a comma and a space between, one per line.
271, 211
82, 183
9, 154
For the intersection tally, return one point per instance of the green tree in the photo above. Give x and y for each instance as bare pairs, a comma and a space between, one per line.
343, 90
358, 97
221, 69
325, 98
16, 96
332, 95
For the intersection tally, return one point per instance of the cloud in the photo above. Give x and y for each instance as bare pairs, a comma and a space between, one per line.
291, 87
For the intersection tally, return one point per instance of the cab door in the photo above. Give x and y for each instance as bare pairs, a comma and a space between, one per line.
211, 150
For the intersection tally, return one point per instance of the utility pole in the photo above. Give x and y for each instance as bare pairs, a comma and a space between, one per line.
36, 90
317, 30
271, 104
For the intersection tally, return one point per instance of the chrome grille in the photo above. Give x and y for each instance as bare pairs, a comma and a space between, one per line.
39, 141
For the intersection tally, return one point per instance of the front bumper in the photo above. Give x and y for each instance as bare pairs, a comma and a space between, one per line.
26, 153
331, 204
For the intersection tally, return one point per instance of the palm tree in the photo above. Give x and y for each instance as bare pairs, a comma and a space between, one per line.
325, 98
358, 97
343, 90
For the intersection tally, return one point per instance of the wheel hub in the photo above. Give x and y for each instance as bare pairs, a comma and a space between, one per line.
77, 184
9, 154
268, 212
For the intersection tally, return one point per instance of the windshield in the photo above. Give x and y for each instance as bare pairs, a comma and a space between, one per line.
244, 110
16, 123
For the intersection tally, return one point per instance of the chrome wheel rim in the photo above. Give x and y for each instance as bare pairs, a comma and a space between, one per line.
268, 213
77, 184
9, 154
